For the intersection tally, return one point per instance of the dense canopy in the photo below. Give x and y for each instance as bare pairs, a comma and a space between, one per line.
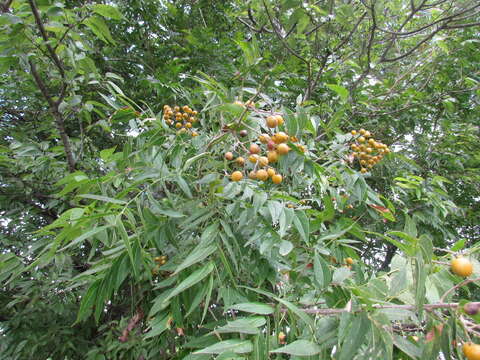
260, 179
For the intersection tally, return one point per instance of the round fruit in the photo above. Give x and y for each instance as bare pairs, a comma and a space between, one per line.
236, 176
302, 148
283, 149
353, 132
363, 170
264, 138
293, 139
271, 172
243, 133
254, 149
471, 308
229, 156
272, 156
240, 161
178, 125
271, 145
471, 351
362, 131
349, 261
281, 137
252, 175
371, 141
194, 134
361, 139
262, 175
367, 134
253, 158
188, 125
181, 131
280, 120
462, 267
281, 337
263, 160
271, 121
277, 179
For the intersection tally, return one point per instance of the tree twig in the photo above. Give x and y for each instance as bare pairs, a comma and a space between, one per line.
459, 285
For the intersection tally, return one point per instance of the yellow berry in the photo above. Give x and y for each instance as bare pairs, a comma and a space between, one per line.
283, 149
236, 176
262, 175
277, 179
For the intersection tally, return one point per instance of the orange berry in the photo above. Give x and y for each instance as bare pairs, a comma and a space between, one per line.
349, 261
263, 160
178, 125
461, 266
271, 121
271, 172
277, 179
236, 176
253, 158
280, 137
362, 131
471, 351
280, 120
367, 134
283, 149
194, 133
363, 170
353, 132
272, 156
361, 139
252, 175
264, 138
254, 149
240, 161
271, 145
188, 125
262, 175
229, 156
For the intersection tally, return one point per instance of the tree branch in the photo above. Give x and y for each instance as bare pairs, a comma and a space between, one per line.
52, 53
427, 307
280, 37
5, 7
56, 114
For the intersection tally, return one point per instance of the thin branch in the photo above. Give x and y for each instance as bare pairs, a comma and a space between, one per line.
131, 325
409, 52
462, 25
459, 285
349, 36
427, 307
280, 37
43, 32
369, 48
5, 7
56, 114
70, 27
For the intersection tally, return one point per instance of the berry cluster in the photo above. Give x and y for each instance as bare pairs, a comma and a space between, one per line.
183, 121
275, 147
160, 261
367, 150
